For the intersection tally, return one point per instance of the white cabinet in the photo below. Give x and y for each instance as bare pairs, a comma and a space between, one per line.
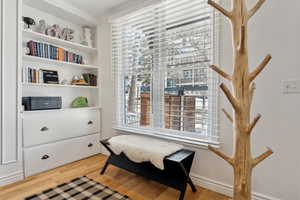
54, 138
48, 156
45, 127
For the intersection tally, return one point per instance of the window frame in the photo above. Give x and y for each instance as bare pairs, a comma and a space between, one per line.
189, 138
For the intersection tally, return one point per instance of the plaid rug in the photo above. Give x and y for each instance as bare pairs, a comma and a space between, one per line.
81, 188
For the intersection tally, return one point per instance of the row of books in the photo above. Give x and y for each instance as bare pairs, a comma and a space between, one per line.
52, 52
34, 75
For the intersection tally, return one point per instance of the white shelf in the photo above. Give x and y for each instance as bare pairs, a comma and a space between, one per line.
62, 110
56, 41
58, 85
57, 62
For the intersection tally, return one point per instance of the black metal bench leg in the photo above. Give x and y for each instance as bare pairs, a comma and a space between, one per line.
190, 182
188, 178
182, 193
104, 168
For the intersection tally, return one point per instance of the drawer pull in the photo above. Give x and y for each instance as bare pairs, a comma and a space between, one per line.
90, 122
45, 128
90, 145
45, 157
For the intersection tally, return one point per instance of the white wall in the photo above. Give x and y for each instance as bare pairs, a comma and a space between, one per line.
276, 30
10, 151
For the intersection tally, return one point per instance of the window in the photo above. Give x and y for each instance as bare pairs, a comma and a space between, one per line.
162, 82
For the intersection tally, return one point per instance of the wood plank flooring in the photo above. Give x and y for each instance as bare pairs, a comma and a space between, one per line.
136, 187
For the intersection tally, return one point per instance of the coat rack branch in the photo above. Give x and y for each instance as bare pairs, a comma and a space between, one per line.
227, 115
222, 155
230, 97
220, 8
262, 157
221, 72
256, 8
253, 124
261, 67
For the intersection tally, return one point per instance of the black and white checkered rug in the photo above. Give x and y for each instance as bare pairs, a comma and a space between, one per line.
81, 188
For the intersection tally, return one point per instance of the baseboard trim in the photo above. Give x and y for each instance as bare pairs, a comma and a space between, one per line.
11, 178
223, 188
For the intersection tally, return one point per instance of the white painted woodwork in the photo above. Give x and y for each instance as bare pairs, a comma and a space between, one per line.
47, 61
58, 85
59, 153
59, 110
41, 128
63, 134
9, 65
56, 41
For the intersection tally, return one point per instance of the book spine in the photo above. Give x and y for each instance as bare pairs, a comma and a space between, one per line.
45, 50
48, 51
35, 49
41, 76
56, 53
42, 49
51, 52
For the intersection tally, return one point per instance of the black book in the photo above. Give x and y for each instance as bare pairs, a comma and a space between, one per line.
50, 76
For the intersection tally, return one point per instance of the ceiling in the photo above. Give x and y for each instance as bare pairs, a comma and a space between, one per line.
96, 8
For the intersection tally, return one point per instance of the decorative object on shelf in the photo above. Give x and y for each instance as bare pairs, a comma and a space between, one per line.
41, 103
87, 36
41, 27
67, 34
29, 22
54, 31
26, 51
241, 99
64, 82
90, 79
80, 102
84, 43
79, 80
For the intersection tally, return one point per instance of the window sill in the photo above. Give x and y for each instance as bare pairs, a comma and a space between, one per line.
187, 141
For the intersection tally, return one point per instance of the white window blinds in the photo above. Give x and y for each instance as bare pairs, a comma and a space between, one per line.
160, 58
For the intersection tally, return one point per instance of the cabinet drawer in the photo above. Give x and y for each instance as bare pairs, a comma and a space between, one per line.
41, 128
49, 156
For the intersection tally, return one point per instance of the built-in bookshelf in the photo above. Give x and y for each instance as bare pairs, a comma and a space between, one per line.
66, 69
52, 66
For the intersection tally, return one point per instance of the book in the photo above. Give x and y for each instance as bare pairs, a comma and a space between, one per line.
50, 76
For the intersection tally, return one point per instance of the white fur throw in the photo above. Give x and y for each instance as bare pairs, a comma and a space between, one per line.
140, 148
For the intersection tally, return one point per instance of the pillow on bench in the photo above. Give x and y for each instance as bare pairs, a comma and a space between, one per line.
141, 148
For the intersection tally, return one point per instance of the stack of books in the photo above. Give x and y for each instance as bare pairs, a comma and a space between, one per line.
90, 79
52, 52
34, 75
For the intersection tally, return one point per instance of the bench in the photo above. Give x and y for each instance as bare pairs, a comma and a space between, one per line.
175, 174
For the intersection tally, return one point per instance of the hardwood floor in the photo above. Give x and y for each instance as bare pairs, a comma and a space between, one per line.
127, 183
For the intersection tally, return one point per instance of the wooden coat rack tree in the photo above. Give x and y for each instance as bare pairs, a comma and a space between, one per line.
241, 99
